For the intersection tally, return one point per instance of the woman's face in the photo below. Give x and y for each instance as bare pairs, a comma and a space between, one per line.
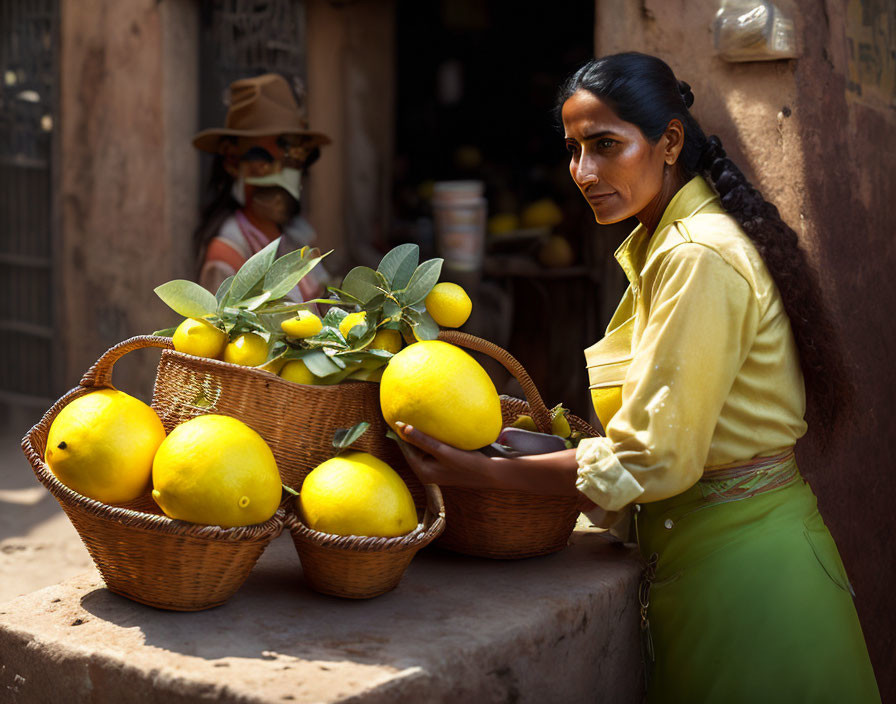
618, 171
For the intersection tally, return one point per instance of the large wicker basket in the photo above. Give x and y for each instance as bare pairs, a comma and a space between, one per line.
141, 554
296, 420
508, 524
357, 567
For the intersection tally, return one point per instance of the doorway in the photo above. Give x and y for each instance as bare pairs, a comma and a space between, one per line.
476, 85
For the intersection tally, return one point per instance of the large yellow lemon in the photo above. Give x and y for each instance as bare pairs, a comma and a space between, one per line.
200, 338
102, 445
449, 305
304, 324
357, 494
216, 470
248, 350
444, 392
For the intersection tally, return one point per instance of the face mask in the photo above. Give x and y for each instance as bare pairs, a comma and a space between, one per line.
290, 180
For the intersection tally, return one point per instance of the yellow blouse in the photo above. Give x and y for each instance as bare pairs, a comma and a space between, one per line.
698, 367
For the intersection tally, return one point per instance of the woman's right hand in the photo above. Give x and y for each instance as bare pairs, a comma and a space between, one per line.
434, 462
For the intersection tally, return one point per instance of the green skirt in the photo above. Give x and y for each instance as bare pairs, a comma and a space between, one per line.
748, 600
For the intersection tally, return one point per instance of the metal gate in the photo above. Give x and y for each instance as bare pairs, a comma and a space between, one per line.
243, 38
28, 84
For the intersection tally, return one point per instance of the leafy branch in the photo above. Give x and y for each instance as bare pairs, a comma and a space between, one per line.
241, 301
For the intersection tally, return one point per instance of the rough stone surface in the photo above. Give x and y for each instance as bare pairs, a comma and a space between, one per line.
558, 628
38, 544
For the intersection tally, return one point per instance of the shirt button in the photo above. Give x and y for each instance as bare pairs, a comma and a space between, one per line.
668, 523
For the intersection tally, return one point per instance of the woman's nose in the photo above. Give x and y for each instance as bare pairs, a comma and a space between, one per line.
585, 172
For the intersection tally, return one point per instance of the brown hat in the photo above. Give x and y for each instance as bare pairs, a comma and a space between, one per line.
259, 107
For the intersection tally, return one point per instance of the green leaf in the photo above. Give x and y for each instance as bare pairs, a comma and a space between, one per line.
289, 490
167, 332
320, 364
362, 283
333, 317
398, 265
187, 298
424, 326
281, 309
223, 290
391, 309
345, 437
425, 277
375, 302
347, 298
287, 271
253, 271
253, 303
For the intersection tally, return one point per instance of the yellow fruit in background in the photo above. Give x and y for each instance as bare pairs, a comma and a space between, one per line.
502, 223
357, 494
449, 305
304, 324
556, 253
524, 422
349, 321
542, 213
296, 371
389, 340
200, 338
216, 470
560, 425
441, 390
248, 350
102, 445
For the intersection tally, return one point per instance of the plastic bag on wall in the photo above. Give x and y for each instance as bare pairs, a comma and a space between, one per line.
752, 30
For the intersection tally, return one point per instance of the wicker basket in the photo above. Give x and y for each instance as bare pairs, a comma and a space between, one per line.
296, 420
357, 567
509, 524
141, 554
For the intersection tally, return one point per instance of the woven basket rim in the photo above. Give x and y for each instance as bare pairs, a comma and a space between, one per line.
149, 522
256, 371
414, 540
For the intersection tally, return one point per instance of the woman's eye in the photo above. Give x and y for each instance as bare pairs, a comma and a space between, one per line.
606, 143
572, 147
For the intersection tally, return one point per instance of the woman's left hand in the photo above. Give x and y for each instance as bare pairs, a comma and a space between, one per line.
434, 462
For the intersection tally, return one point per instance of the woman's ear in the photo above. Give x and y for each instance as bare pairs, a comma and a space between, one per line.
673, 139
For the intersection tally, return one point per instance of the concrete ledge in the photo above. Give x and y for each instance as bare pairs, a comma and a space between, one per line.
560, 628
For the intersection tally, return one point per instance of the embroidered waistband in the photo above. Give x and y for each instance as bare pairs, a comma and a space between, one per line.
741, 480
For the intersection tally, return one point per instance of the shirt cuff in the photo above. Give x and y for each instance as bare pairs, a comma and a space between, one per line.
602, 478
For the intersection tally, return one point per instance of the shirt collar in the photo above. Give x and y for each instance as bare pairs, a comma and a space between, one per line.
690, 199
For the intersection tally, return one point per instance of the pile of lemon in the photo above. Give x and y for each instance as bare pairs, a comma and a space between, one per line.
216, 470
213, 469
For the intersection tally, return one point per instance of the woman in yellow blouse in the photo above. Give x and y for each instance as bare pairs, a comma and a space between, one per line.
699, 384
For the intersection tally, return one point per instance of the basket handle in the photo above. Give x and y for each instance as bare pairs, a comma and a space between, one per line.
100, 374
540, 413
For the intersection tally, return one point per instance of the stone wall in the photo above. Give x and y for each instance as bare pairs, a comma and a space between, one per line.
129, 177
816, 135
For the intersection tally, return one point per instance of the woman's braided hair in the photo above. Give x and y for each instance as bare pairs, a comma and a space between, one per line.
643, 90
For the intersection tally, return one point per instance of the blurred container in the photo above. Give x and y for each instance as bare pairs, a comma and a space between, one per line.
459, 211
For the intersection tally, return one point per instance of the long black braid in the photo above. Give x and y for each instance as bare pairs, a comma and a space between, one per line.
643, 90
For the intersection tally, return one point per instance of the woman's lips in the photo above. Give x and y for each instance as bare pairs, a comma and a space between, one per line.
599, 197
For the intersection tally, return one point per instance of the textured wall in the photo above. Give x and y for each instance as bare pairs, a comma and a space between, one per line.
826, 161
128, 173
